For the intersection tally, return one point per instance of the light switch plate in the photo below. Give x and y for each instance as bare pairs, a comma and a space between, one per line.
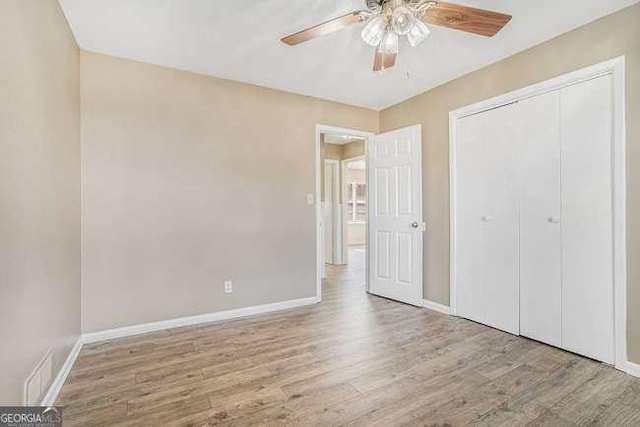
228, 286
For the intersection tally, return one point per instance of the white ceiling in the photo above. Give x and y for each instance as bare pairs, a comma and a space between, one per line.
240, 40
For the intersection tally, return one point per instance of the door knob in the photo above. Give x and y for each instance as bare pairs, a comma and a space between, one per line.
486, 218
414, 224
553, 219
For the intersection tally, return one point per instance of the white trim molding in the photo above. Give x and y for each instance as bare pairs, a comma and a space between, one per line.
52, 394
614, 67
435, 306
631, 368
237, 313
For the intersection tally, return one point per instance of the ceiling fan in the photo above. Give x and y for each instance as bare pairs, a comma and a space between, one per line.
387, 20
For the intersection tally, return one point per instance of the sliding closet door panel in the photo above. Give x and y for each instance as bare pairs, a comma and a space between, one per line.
470, 251
586, 129
486, 219
540, 213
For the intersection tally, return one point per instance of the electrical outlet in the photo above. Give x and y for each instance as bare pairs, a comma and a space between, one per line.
228, 286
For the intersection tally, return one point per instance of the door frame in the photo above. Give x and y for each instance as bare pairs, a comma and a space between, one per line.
327, 129
614, 67
343, 187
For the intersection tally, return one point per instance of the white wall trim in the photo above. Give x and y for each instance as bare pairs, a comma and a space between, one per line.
631, 368
52, 394
614, 67
435, 306
320, 129
617, 67
144, 328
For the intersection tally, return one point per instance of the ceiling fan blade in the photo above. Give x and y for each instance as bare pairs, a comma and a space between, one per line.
383, 61
325, 28
464, 18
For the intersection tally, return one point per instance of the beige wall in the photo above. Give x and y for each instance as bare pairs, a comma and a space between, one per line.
329, 151
189, 180
342, 152
353, 149
39, 190
609, 37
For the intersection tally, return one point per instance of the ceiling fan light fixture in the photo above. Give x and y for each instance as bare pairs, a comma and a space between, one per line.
418, 33
374, 31
402, 19
385, 21
389, 43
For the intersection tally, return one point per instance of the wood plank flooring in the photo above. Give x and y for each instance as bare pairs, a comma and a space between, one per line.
354, 359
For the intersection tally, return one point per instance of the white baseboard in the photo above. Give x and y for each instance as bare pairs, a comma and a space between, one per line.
436, 306
52, 394
631, 368
195, 320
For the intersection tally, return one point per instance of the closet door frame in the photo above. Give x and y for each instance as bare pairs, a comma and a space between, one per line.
615, 68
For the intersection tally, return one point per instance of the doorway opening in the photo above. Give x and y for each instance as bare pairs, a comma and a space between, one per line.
393, 237
342, 210
354, 180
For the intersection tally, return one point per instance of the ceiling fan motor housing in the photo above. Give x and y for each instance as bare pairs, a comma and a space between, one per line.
374, 5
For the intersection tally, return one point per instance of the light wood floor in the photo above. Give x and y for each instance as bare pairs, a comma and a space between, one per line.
354, 359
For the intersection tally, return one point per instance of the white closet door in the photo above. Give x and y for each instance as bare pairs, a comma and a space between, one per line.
540, 214
586, 130
500, 220
487, 219
469, 203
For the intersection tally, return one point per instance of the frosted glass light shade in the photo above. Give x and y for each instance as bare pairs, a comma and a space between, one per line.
418, 33
373, 31
402, 20
389, 43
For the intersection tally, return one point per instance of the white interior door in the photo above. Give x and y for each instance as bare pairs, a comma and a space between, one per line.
332, 213
587, 294
395, 213
486, 219
327, 212
540, 218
